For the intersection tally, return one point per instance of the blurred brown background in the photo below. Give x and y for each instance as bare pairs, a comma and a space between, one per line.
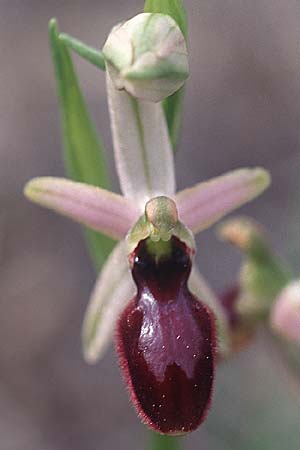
242, 109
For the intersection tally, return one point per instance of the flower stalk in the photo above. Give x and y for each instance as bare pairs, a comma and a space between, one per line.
162, 442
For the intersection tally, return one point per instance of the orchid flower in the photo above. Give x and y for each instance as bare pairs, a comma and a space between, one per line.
165, 335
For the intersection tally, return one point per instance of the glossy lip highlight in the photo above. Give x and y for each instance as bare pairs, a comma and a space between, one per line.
166, 345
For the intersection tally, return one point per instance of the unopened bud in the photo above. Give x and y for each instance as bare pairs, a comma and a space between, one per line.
244, 233
262, 275
147, 56
285, 315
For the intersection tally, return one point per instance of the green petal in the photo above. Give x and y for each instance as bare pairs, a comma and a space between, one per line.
83, 149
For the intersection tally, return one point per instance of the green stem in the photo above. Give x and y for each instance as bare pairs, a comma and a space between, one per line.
162, 442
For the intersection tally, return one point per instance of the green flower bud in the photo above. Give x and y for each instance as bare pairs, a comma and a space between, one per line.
262, 274
147, 56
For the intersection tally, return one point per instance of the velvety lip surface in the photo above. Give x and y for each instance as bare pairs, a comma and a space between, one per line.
166, 344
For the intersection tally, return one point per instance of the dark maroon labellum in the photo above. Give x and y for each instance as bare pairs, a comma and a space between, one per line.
166, 343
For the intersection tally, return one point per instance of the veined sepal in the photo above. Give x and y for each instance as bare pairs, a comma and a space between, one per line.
143, 153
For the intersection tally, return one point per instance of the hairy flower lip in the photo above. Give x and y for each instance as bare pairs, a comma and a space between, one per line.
156, 356
130, 388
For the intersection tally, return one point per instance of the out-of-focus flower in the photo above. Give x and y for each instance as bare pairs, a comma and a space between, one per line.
285, 314
165, 335
261, 276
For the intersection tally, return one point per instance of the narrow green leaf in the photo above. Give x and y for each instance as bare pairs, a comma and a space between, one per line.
91, 54
83, 149
173, 104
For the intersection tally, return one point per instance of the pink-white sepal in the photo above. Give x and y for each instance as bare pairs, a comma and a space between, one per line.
143, 152
92, 206
114, 288
204, 204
